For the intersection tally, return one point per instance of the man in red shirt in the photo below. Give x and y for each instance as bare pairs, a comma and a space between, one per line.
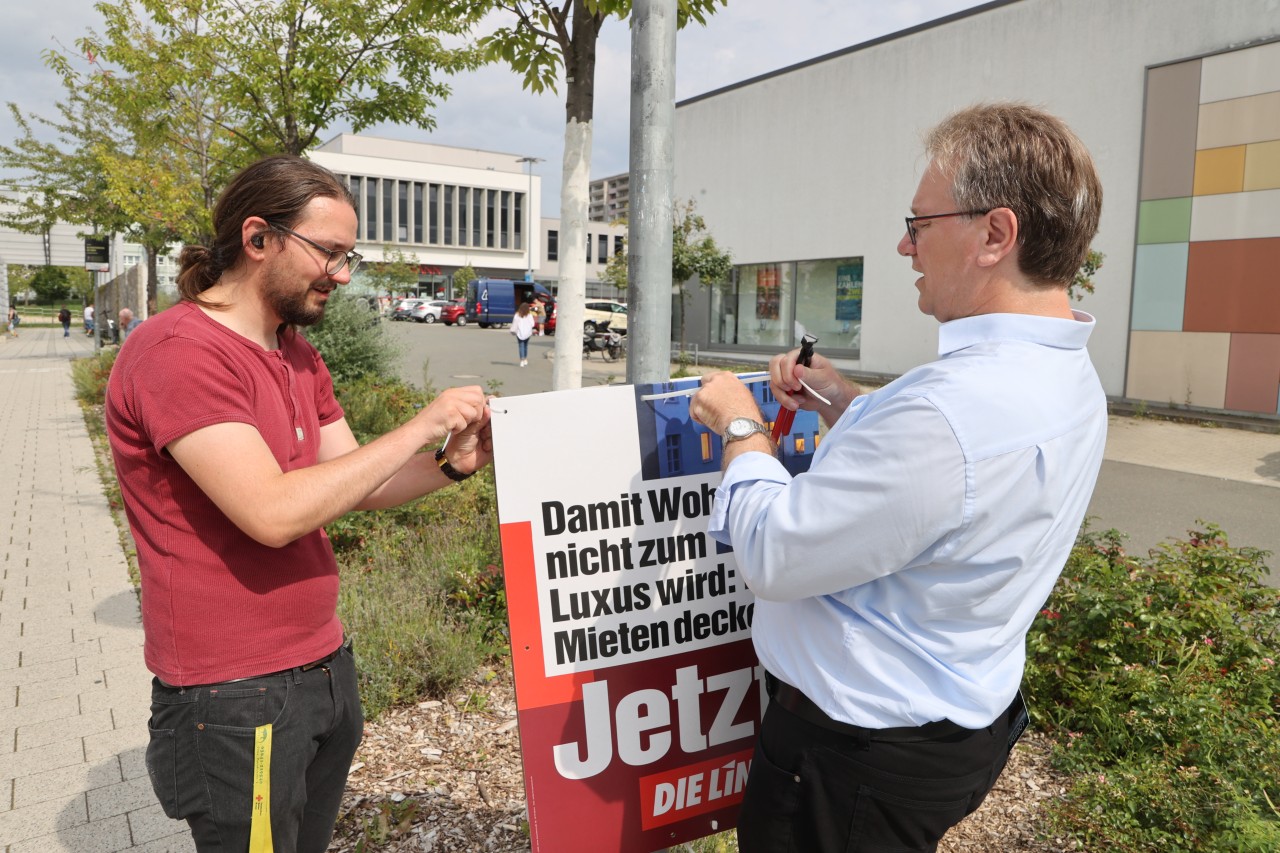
232, 454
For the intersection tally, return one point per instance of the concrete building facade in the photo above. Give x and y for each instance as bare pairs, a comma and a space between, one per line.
609, 198
805, 174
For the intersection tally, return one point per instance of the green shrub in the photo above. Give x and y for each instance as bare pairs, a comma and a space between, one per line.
90, 375
420, 594
1157, 678
351, 339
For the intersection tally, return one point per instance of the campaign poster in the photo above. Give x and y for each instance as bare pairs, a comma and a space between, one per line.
849, 291
637, 688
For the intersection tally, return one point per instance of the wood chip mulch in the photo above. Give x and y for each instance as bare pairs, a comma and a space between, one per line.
445, 776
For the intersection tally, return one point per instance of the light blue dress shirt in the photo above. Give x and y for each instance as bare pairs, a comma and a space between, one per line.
897, 578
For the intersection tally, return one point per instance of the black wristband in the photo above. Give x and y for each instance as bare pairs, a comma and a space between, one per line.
448, 470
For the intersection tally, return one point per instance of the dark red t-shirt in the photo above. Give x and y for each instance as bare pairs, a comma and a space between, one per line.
217, 605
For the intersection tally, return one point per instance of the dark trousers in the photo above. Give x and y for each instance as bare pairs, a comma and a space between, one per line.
201, 754
815, 790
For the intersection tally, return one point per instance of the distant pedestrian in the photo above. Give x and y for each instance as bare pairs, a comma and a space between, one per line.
88, 319
64, 317
14, 320
128, 323
523, 325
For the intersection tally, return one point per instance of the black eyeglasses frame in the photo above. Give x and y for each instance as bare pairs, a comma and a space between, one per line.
337, 258
912, 220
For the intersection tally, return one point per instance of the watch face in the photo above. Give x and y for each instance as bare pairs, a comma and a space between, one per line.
741, 428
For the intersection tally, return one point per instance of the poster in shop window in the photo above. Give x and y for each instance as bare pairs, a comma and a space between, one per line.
638, 691
849, 291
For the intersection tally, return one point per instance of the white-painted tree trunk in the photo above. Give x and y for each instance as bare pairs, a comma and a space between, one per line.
571, 300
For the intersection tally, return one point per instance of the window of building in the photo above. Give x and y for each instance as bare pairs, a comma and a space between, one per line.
829, 301
519, 237
588, 248
602, 250
672, 443
477, 216
388, 209
464, 201
417, 213
489, 233
617, 244
754, 309
371, 209
402, 224
553, 245
433, 214
505, 221
448, 216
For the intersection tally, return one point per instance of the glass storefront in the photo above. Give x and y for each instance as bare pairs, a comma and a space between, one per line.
772, 306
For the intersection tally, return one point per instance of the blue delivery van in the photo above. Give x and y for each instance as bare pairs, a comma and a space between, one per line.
493, 301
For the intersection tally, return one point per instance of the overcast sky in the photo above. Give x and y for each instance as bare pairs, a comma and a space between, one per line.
489, 109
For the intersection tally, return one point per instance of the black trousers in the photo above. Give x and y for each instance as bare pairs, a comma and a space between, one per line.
813, 789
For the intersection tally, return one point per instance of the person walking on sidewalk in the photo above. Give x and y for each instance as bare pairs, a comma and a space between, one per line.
232, 454
13, 322
523, 326
896, 580
64, 317
88, 319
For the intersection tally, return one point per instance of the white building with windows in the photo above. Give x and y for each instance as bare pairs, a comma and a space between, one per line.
805, 175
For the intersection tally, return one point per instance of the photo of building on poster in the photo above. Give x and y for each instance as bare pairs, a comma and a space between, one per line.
637, 687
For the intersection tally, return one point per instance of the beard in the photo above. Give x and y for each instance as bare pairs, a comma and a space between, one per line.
291, 304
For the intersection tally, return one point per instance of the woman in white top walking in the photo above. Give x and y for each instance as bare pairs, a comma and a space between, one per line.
523, 326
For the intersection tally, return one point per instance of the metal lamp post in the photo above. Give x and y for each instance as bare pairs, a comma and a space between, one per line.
530, 220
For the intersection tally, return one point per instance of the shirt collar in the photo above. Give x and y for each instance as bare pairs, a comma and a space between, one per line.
1048, 331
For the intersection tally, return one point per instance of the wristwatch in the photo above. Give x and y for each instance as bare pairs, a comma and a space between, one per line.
740, 428
448, 470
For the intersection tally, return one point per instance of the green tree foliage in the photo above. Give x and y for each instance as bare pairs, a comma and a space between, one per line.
461, 276
1158, 678
543, 43
50, 284
351, 340
273, 74
694, 253
1083, 282
397, 272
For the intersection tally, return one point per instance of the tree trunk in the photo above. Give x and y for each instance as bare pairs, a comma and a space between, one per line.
580, 72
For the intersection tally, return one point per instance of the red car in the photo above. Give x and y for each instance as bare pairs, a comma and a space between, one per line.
454, 312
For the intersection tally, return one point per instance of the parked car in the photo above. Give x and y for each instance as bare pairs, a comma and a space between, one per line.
428, 312
605, 313
404, 308
454, 312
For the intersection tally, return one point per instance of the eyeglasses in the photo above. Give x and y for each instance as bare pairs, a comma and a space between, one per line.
912, 220
337, 259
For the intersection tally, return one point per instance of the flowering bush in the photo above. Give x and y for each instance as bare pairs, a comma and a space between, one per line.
1157, 678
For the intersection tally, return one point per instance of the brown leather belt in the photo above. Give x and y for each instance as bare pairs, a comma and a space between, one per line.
803, 707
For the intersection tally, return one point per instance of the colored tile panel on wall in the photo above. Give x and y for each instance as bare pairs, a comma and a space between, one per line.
1164, 221
1262, 166
1236, 216
1178, 368
1240, 73
1239, 121
1159, 287
1220, 170
1169, 130
1253, 374
1233, 286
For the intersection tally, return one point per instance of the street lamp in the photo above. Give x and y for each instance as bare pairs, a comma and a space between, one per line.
529, 220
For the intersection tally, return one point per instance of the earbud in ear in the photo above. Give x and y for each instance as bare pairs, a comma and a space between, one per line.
256, 241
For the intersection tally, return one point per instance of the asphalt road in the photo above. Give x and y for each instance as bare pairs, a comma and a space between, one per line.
1157, 481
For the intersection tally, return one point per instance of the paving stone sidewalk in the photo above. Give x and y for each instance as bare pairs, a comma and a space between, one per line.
74, 692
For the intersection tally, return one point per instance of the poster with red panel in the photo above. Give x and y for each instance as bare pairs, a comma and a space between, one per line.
638, 691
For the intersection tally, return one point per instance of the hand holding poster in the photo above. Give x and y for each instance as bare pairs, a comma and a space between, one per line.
637, 687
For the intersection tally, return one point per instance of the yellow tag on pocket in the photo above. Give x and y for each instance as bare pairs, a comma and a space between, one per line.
260, 826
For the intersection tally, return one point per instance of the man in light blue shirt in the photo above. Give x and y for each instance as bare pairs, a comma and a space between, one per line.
897, 579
